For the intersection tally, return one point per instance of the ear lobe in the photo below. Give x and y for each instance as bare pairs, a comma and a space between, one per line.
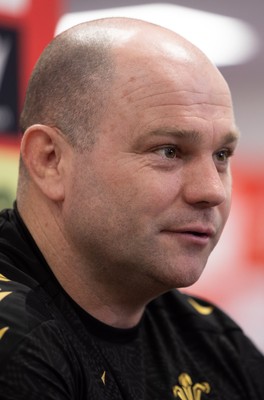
42, 151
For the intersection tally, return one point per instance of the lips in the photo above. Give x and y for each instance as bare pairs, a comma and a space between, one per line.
198, 235
199, 231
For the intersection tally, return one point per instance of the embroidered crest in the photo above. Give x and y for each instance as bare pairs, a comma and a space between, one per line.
186, 390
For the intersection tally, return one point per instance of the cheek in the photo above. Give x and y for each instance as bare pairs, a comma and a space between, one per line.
151, 193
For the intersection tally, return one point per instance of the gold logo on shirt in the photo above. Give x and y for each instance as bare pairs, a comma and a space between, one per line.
103, 377
3, 331
4, 294
204, 310
186, 390
3, 278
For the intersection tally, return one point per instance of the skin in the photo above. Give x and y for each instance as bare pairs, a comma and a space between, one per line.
140, 212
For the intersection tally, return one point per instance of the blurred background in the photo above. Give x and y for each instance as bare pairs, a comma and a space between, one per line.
234, 276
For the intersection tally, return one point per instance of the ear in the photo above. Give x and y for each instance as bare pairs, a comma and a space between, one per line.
44, 151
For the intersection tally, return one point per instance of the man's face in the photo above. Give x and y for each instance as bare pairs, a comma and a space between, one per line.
148, 203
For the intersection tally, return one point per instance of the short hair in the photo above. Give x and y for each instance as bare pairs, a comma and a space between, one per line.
71, 83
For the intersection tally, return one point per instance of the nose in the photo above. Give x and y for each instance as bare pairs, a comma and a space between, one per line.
204, 186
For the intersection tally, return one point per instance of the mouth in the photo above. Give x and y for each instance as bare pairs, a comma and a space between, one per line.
199, 231
194, 235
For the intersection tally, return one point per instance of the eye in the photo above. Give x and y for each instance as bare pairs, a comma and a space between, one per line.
170, 152
223, 155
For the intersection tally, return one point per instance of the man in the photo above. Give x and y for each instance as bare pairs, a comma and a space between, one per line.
124, 190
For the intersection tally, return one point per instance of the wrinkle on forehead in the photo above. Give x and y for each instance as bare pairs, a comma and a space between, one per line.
191, 97
142, 76
147, 97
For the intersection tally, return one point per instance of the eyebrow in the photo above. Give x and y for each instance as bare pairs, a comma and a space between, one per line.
195, 136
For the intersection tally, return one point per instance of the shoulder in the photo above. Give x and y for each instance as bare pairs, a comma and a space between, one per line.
33, 328
190, 311
32, 325
33, 308
35, 344
22, 310
202, 325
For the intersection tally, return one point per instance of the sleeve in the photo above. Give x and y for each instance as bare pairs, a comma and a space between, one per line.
36, 359
37, 368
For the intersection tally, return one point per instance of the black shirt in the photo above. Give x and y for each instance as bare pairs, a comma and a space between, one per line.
50, 348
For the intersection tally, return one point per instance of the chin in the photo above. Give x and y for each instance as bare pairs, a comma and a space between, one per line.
164, 284
184, 283
183, 278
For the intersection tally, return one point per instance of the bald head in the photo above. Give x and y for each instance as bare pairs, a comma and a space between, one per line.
72, 82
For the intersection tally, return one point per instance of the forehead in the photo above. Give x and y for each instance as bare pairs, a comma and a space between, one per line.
178, 92
152, 92
143, 76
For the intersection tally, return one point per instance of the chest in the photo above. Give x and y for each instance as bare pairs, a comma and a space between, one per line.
159, 367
